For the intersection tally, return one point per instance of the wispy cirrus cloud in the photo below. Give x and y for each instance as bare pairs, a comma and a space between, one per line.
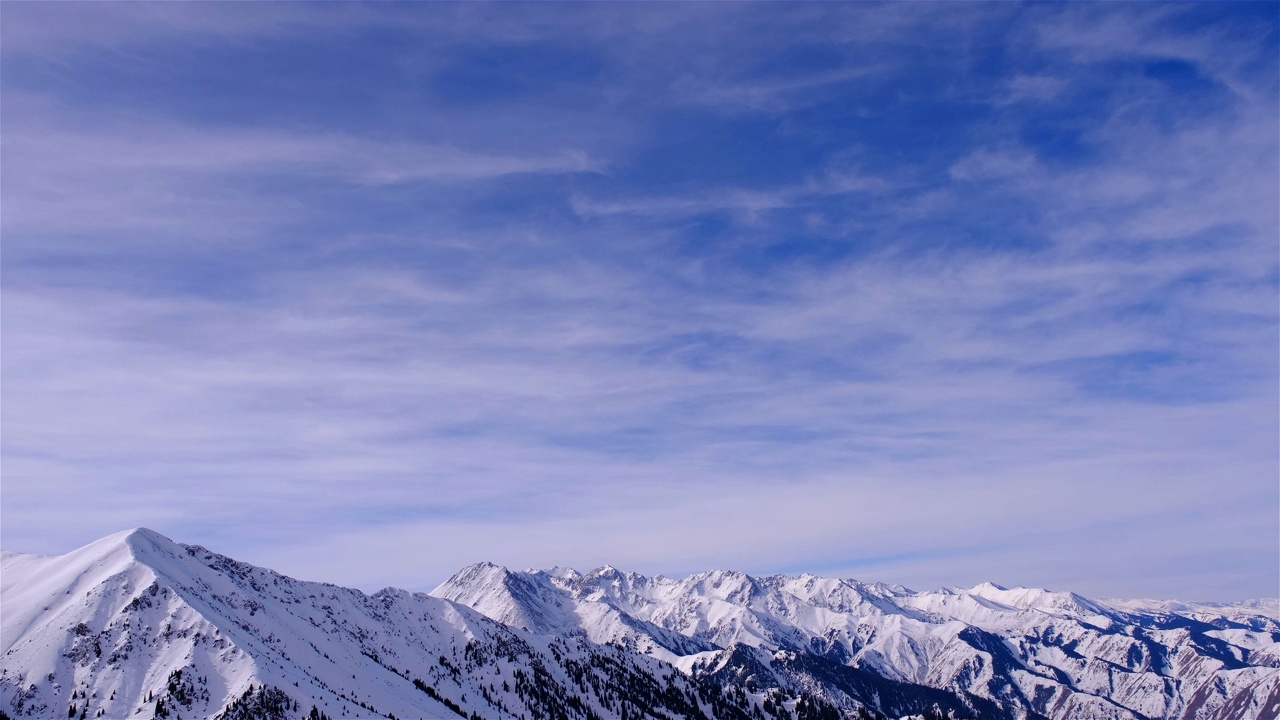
943, 316
780, 95
1033, 88
131, 172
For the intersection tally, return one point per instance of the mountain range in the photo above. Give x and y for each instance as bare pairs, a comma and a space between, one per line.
137, 626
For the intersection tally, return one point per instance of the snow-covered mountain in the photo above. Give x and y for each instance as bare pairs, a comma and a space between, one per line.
137, 626
1027, 652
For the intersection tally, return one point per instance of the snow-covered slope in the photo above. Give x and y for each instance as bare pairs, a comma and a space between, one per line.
135, 625
1028, 651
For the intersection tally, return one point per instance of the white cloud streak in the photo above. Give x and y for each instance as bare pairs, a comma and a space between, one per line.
132, 173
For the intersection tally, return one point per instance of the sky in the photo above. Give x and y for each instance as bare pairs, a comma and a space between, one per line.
932, 294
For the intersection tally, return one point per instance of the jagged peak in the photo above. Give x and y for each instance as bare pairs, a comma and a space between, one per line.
609, 573
482, 568
894, 589
392, 591
563, 573
720, 575
472, 579
990, 586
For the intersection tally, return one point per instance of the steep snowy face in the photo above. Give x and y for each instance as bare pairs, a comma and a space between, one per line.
514, 599
842, 596
1037, 652
38, 589
135, 625
102, 608
713, 610
603, 606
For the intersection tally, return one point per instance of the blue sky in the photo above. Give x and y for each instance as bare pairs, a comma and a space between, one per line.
924, 293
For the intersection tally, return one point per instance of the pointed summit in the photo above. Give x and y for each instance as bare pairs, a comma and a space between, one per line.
144, 541
480, 574
142, 534
37, 587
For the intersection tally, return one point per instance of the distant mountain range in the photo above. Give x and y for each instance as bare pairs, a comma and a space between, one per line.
137, 626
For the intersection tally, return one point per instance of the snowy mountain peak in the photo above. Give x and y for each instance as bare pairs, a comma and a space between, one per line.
989, 587
135, 543
38, 589
605, 572
561, 573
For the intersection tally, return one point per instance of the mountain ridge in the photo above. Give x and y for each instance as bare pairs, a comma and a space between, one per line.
1114, 661
1267, 604
137, 625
